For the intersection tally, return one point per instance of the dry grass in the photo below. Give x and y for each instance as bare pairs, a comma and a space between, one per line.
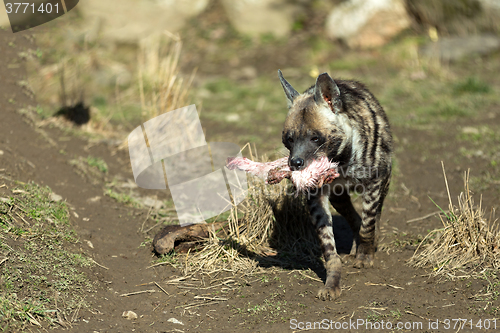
274, 230
116, 89
467, 243
160, 86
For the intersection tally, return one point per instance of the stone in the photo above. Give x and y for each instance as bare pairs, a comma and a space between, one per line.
488, 5
453, 48
367, 23
129, 315
175, 321
55, 197
129, 21
258, 17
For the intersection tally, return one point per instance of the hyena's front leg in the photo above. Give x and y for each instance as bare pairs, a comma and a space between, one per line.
322, 220
343, 205
373, 200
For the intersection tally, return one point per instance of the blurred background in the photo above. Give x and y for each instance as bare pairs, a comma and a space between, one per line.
111, 65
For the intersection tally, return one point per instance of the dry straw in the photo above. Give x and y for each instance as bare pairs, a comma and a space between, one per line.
161, 87
270, 228
467, 242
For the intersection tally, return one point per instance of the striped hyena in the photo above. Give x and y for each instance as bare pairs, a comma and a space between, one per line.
343, 121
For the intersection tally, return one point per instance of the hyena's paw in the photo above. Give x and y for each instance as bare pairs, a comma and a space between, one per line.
364, 255
329, 294
363, 260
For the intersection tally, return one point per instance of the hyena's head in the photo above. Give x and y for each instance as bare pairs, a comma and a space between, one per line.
314, 126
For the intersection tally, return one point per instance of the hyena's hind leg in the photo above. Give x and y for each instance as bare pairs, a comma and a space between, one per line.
343, 205
321, 219
373, 200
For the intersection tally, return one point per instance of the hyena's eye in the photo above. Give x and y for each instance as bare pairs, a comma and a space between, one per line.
315, 139
290, 140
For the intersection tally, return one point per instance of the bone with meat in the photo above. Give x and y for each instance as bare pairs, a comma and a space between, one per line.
315, 175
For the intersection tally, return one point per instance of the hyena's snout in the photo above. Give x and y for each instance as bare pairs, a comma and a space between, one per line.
296, 163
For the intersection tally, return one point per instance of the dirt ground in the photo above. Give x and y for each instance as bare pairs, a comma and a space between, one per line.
273, 299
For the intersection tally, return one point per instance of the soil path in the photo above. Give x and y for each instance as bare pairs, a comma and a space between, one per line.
112, 228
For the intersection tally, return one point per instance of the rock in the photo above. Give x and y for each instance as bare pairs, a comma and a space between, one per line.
470, 130
260, 16
233, 117
488, 5
453, 48
94, 199
129, 315
128, 21
367, 23
55, 197
175, 321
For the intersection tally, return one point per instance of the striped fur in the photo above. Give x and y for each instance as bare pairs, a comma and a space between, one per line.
343, 121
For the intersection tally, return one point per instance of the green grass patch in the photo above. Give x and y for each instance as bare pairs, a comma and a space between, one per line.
120, 197
482, 142
471, 85
252, 111
97, 163
42, 277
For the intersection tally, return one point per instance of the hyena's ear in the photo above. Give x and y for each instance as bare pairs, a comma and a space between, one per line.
326, 91
289, 91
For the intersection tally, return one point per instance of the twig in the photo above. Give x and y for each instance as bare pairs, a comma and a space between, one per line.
202, 304
447, 188
147, 216
161, 288
219, 284
178, 279
425, 216
194, 305
138, 292
159, 264
372, 308
383, 284
75, 314
310, 277
98, 264
211, 298
149, 229
22, 218
3, 260
32, 319
412, 313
